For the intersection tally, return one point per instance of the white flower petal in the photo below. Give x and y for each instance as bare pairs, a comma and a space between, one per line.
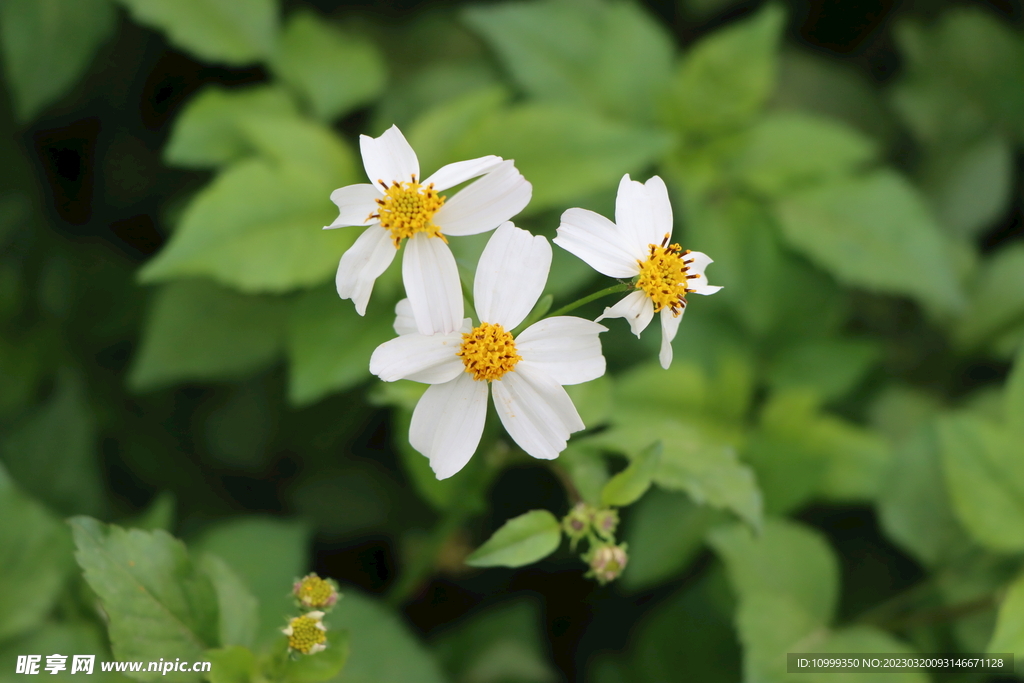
432, 284
510, 276
388, 158
636, 307
430, 360
698, 262
485, 204
360, 266
536, 411
669, 326
461, 171
447, 423
404, 322
565, 348
597, 241
355, 203
643, 212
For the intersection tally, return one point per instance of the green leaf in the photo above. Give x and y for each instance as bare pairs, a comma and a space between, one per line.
726, 78
268, 555
787, 560
564, 151
970, 187
158, 602
1014, 401
593, 400
997, 300
1009, 631
862, 639
234, 32
611, 56
207, 133
914, 505
521, 540
256, 228
985, 478
874, 232
787, 151
37, 551
665, 531
329, 345
307, 144
53, 453
47, 46
322, 666
234, 664
383, 649
238, 610
332, 70
505, 642
586, 468
198, 331
626, 487
437, 131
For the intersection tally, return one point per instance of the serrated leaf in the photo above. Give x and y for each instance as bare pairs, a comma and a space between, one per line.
329, 345
521, 540
333, 71
158, 602
564, 151
787, 151
985, 478
47, 46
234, 32
37, 550
725, 79
874, 232
382, 646
207, 132
256, 228
199, 331
268, 555
626, 487
238, 609
53, 453
611, 56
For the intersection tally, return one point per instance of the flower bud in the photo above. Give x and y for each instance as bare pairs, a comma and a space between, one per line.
607, 562
307, 634
312, 591
605, 523
576, 524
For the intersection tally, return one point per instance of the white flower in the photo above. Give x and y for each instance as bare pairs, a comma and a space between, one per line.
526, 373
637, 245
397, 205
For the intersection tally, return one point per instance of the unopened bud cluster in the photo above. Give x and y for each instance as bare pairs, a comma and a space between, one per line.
307, 633
597, 526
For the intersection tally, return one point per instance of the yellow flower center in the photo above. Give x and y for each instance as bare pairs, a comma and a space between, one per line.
314, 591
305, 634
488, 351
409, 208
663, 276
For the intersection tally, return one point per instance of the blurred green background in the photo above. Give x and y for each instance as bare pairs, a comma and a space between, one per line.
173, 354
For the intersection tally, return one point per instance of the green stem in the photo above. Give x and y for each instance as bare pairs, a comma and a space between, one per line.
621, 287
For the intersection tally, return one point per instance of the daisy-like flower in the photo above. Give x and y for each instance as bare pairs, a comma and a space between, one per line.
398, 206
526, 373
637, 246
307, 634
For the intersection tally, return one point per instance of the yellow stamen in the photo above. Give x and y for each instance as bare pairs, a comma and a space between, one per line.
409, 208
488, 351
306, 633
663, 276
